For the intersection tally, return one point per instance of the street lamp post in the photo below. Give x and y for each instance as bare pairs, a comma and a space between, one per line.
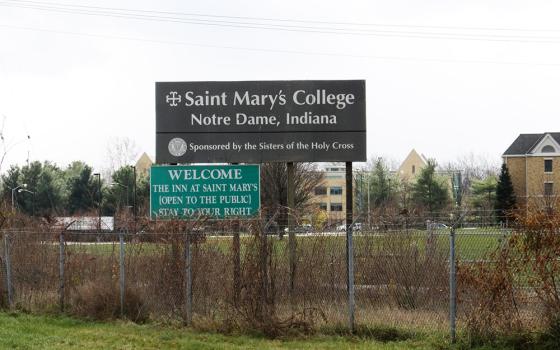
134, 195
133, 190
14, 194
125, 188
98, 200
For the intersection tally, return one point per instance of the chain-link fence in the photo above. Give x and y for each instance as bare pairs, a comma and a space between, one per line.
242, 278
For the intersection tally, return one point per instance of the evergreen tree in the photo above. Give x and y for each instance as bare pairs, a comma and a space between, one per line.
11, 179
505, 196
26, 197
483, 193
142, 194
81, 188
430, 191
123, 186
382, 187
48, 192
122, 191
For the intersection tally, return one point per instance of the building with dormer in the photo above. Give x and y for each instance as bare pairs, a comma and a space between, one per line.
533, 163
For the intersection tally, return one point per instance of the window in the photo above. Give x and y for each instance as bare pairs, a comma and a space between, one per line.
336, 190
548, 165
414, 169
320, 191
548, 188
547, 149
323, 206
336, 206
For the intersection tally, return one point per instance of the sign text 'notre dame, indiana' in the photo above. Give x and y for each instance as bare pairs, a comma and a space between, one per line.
196, 191
260, 121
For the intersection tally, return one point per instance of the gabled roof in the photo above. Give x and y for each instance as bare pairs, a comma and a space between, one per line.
414, 158
525, 143
413, 154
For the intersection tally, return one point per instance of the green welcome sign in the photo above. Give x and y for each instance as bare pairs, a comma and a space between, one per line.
195, 191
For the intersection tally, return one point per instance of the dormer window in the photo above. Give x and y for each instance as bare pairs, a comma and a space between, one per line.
548, 149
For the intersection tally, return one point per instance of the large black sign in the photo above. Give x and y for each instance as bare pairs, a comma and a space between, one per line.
260, 121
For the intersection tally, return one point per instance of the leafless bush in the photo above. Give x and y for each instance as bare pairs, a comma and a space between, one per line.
258, 307
499, 291
405, 268
487, 293
100, 300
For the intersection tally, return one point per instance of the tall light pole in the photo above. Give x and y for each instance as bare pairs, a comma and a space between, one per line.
126, 189
14, 192
134, 194
98, 200
134, 210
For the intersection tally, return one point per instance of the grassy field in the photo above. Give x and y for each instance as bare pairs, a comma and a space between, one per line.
22, 331
471, 244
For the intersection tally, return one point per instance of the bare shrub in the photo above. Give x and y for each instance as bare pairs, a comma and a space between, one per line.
100, 300
525, 267
487, 292
257, 308
537, 241
405, 268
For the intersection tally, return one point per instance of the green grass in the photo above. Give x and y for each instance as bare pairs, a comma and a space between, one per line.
23, 331
471, 244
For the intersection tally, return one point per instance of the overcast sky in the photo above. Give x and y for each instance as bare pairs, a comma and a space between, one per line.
447, 78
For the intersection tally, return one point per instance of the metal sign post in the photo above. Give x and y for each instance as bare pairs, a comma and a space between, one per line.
350, 245
291, 226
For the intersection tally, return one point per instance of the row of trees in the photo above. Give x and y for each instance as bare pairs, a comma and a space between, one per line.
44, 189
53, 191
380, 190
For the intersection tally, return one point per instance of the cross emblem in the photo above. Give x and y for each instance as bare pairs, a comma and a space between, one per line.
172, 98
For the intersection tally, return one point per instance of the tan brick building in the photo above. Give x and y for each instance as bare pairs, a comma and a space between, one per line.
411, 166
330, 194
533, 161
144, 164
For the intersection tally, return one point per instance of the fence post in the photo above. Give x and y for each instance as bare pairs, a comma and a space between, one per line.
7, 263
188, 280
452, 286
121, 270
61, 271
